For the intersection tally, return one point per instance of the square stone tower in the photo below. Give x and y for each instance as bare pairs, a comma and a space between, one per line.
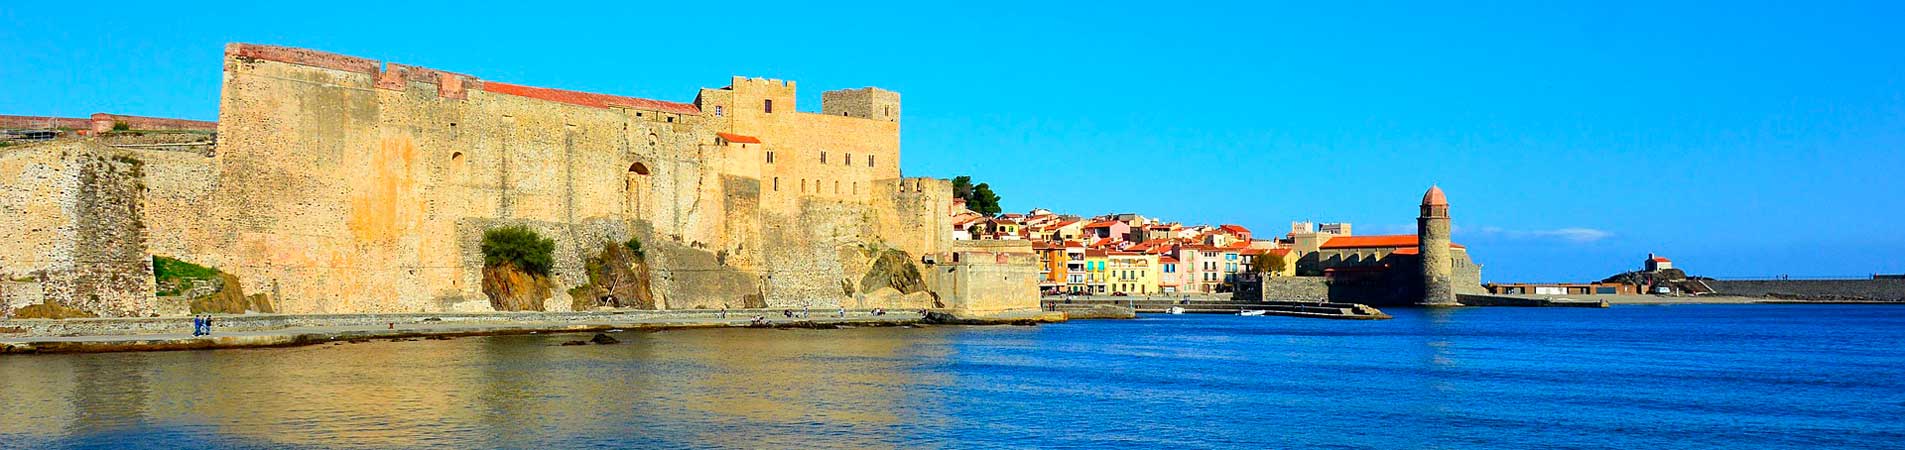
866, 103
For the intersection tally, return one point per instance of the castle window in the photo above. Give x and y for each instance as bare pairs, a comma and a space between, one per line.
770, 156
856, 188
777, 184
717, 111
671, 119
869, 160
767, 105
823, 157
836, 186
848, 160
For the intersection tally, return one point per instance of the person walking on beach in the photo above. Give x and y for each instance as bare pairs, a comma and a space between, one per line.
196, 325
208, 324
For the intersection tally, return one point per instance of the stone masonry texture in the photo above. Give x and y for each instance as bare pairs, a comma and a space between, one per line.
346, 185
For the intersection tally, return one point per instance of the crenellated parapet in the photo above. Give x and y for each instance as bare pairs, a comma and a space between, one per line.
449, 85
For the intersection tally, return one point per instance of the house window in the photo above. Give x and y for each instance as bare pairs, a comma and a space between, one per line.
767, 105
671, 119
717, 111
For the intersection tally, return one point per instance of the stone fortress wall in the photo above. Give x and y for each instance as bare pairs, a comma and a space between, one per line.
348, 185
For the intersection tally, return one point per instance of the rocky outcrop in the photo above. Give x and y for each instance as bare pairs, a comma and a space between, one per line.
511, 289
618, 278
894, 269
1675, 278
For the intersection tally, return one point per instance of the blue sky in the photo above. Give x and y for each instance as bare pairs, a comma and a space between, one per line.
1740, 138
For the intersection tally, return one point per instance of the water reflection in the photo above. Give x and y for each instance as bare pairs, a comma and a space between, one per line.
757, 388
1725, 376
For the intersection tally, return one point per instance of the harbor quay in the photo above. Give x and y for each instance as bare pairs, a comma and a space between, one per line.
99, 335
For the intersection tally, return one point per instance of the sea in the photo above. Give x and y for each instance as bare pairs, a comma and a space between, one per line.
1626, 377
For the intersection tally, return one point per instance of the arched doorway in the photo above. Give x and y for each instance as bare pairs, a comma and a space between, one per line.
634, 187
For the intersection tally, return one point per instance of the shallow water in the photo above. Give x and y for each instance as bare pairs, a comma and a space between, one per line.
1694, 376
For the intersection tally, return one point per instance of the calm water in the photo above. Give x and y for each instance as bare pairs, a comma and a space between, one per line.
1710, 376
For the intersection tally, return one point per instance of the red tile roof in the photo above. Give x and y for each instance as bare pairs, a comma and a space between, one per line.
588, 98
1659, 259
1378, 241
1166, 260
1415, 251
1103, 224
1235, 228
739, 139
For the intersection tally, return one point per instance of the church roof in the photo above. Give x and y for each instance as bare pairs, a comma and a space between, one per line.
1434, 197
1375, 241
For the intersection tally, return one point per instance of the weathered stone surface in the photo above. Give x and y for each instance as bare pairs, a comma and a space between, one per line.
511, 289
72, 212
51, 311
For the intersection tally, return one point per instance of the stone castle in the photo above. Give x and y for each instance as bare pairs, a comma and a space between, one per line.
339, 184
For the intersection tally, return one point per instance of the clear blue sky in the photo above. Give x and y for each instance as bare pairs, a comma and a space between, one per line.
1738, 137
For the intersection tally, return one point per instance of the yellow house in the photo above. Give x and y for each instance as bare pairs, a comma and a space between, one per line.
1095, 271
1132, 273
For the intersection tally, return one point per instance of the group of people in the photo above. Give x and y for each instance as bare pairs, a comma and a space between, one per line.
202, 325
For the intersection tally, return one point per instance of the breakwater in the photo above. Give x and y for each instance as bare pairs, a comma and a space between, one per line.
1851, 290
1208, 305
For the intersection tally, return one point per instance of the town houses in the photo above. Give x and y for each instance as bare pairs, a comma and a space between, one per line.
1130, 254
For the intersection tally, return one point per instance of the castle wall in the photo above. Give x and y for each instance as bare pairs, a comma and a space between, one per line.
367, 189
986, 276
347, 185
74, 210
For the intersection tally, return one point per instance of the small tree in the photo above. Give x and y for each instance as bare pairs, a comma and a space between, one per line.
983, 200
518, 246
1269, 263
121, 126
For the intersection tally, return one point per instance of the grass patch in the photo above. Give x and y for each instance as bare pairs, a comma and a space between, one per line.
178, 272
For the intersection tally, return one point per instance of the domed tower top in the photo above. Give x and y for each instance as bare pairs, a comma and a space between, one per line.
1434, 197
1434, 204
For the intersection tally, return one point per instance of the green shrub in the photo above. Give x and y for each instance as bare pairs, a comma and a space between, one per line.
520, 247
121, 126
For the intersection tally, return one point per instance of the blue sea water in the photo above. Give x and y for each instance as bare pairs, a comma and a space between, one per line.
1686, 376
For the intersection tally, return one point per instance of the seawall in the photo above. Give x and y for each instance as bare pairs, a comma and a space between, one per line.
1876, 289
257, 331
